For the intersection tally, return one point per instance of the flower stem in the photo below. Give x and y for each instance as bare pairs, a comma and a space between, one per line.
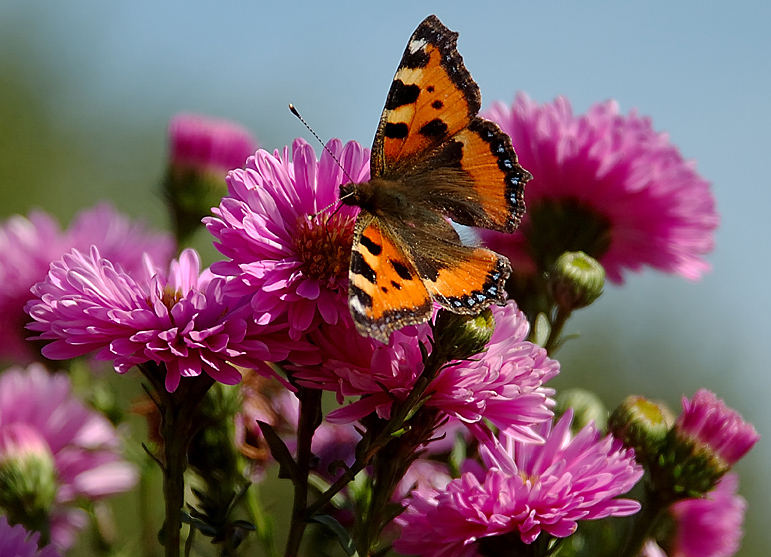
558, 323
178, 425
310, 418
645, 523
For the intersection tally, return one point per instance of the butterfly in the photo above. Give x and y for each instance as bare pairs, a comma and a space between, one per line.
432, 158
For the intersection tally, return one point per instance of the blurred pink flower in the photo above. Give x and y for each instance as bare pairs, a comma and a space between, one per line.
712, 525
208, 144
707, 420
180, 318
15, 541
84, 445
605, 184
29, 245
294, 264
523, 488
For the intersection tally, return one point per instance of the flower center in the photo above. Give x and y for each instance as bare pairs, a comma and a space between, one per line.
170, 297
557, 226
323, 244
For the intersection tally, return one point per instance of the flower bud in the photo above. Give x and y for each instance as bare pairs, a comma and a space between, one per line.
202, 150
642, 425
576, 280
587, 407
707, 439
461, 336
27, 476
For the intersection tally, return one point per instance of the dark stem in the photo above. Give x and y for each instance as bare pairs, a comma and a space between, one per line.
310, 418
368, 447
178, 425
645, 523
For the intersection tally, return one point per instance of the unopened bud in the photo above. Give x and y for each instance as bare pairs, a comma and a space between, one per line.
576, 280
707, 439
27, 476
461, 336
641, 424
587, 407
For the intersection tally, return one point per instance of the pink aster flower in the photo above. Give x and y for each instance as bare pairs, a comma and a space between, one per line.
36, 409
29, 245
208, 144
15, 541
503, 384
525, 489
181, 319
707, 421
119, 239
293, 260
710, 526
607, 185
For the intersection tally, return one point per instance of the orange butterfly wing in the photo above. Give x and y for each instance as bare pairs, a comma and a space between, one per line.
432, 156
385, 291
429, 122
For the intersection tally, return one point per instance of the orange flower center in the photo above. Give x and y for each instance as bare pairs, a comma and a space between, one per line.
323, 244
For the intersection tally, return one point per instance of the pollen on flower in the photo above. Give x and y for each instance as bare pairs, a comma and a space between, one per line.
323, 244
170, 296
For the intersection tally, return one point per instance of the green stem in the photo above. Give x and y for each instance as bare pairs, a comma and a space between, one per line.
558, 323
369, 447
645, 523
261, 521
178, 425
310, 418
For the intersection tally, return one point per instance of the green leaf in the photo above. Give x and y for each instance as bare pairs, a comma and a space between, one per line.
279, 450
541, 330
340, 533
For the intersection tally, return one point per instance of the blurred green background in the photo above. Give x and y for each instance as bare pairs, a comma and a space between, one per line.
87, 88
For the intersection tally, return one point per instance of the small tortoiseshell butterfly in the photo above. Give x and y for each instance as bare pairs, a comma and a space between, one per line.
432, 158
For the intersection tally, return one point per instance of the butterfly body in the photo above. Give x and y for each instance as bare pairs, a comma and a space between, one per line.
432, 159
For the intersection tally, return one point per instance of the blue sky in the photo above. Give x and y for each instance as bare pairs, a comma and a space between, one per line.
699, 69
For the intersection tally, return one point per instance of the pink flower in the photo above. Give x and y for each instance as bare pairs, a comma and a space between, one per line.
208, 144
15, 541
709, 422
180, 318
605, 184
525, 488
504, 384
36, 408
29, 245
292, 261
710, 526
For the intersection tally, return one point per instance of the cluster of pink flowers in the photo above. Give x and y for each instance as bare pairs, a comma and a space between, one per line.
280, 297
526, 488
29, 244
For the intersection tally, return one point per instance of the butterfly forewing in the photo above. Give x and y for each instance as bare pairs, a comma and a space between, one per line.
431, 98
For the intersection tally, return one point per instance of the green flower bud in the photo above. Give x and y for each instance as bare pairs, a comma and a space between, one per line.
461, 336
642, 425
587, 407
27, 477
576, 280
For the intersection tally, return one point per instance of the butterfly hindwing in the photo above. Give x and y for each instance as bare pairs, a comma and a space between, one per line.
432, 97
385, 291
